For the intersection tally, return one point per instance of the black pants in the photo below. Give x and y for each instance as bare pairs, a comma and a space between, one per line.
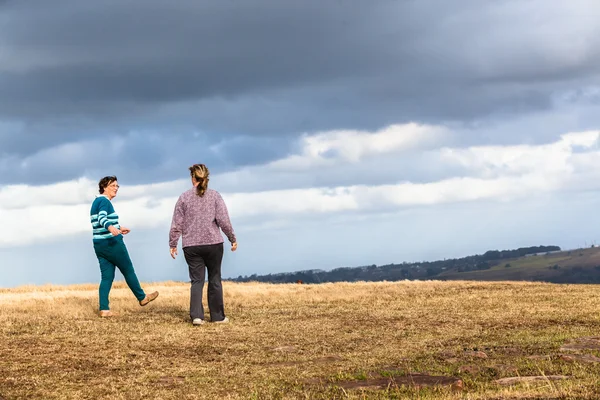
198, 258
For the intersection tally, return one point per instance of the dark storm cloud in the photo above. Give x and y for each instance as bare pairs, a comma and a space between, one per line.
73, 57
139, 157
72, 70
151, 52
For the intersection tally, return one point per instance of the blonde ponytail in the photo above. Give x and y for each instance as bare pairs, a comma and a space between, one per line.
200, 173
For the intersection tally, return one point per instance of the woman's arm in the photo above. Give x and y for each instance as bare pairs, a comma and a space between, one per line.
222, 217
176, 225
104, 210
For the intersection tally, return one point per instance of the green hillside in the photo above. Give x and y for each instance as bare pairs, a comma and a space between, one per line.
574, 266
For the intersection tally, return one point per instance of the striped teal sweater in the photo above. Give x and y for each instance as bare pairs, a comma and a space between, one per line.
103, 215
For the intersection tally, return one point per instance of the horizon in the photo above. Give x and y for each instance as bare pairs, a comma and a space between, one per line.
119, 277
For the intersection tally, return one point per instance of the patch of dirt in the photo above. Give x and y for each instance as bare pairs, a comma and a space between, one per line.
447, 354
507, 369
586, 358
470, 369
476, 354
529, 379
416, 381
452, 358
582, 343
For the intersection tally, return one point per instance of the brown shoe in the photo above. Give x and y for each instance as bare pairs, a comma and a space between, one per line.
107, 314
149, 297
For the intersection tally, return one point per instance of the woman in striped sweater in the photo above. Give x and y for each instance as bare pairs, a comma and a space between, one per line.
110, 247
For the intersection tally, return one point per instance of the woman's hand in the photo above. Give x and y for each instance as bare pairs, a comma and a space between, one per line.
113, 230
234, 246
125, 231
173, 252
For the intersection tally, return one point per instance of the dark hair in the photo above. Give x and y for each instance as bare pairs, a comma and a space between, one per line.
104, 182
200, 173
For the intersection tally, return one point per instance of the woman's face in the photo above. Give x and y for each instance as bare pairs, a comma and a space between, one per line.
112, 189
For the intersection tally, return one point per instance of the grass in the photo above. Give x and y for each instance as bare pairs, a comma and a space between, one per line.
299, 341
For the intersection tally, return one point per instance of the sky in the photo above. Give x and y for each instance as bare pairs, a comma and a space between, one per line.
340, 134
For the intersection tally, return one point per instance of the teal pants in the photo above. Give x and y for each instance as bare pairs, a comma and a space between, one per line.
112, 253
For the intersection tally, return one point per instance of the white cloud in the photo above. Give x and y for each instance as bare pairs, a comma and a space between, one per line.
62, 193
328, 148
552, 158
373, 198
31, 224
497, 173
80, 191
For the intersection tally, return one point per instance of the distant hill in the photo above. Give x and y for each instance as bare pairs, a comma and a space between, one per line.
573, 266
536, 263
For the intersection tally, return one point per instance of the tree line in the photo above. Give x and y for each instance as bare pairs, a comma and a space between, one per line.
405, 270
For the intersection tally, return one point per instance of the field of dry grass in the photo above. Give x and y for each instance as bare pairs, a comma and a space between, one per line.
426, 340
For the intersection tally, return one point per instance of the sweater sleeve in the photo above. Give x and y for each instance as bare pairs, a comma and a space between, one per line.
104, 209
176, 223
222, 218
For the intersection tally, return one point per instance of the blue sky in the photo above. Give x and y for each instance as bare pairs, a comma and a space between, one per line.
384, 132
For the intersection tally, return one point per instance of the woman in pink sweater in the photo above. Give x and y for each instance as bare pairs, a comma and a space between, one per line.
200, 214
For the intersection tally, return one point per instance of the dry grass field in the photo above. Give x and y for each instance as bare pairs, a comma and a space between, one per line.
425, 340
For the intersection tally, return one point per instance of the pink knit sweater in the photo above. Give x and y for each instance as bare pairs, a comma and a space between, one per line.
198, 219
